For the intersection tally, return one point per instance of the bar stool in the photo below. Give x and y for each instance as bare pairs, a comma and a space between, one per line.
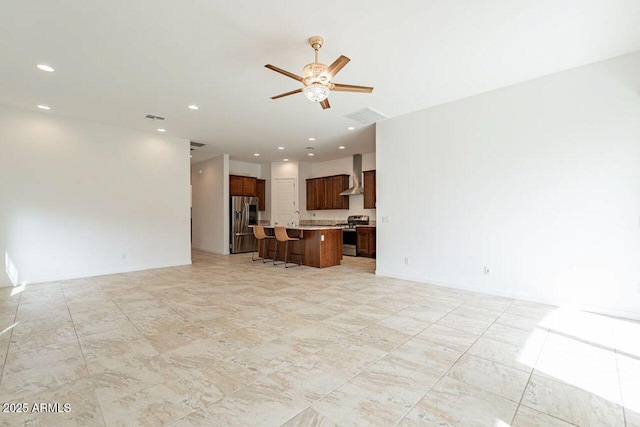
261, 236
282, 236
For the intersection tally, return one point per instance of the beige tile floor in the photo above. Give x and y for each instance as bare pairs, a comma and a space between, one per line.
230, 342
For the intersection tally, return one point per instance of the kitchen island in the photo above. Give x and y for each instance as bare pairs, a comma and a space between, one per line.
321, 246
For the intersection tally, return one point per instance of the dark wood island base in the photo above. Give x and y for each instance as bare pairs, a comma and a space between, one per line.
320, 247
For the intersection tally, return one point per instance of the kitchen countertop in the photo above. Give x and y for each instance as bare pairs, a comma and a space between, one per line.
308, 227
317, 227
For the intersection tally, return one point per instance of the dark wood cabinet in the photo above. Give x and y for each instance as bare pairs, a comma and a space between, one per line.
311, 194
324, 193
366, 242
250, 186
340, 183
320, 189
242, 185
370, 189
261, 192
235, 186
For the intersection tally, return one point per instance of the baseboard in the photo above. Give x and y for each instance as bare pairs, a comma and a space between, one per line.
96, 273
608, 311
211, 251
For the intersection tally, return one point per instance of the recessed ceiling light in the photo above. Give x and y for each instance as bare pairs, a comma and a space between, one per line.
342, 147
256, 154
286, 160
280, 148
44, 107
312, 139
310, 154
161, 130
44, 67
351, 128
193, 107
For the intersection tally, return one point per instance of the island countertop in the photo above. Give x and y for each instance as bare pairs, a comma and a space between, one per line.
307, 227
321, 246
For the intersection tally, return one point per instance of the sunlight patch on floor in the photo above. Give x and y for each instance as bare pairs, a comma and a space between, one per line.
8, 328
595, 353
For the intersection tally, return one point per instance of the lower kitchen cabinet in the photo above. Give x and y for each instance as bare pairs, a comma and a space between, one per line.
366, 241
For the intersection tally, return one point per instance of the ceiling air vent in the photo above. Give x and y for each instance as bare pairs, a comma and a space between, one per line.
197, 144
152, 117
366, 116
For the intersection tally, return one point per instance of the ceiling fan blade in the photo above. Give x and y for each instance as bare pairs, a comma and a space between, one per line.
325, 104
287, 94
337, 65
351, 88
286, 73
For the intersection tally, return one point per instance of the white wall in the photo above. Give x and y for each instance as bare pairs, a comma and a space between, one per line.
210, 212
244, 169
539, 181
335, 167
80, 199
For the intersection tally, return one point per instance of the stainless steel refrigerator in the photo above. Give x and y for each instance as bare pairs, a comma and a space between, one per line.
244, 212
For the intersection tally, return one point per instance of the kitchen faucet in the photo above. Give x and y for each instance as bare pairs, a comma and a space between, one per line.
295, 219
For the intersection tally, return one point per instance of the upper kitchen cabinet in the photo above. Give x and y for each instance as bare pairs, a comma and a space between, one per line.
250, 186
242, 186
324, 193
339, 183
311, 195
261, 192
320, 191
370, 189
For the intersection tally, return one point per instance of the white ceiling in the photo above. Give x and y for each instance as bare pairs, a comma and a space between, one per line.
118, 60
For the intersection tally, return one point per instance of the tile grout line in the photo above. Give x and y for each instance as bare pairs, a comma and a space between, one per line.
6, 355
285, 367
374, 286
533, 368
84, 359
356, 374
359, 372
624, 411
593, 344
450, 367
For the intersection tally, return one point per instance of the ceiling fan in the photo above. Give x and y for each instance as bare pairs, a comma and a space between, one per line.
316, 78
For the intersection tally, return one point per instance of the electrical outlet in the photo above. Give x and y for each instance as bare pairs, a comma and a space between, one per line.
407, 261
124, 256
487, 271
386, 219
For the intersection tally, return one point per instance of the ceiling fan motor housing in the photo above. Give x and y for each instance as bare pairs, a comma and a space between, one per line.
316, 42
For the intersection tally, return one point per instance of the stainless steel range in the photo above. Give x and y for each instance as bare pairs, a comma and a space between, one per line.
349, 234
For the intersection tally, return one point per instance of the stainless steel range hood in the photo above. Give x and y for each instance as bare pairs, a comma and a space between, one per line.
357, 177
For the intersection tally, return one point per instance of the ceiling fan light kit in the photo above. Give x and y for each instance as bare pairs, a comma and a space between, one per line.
316, 78
316, 92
